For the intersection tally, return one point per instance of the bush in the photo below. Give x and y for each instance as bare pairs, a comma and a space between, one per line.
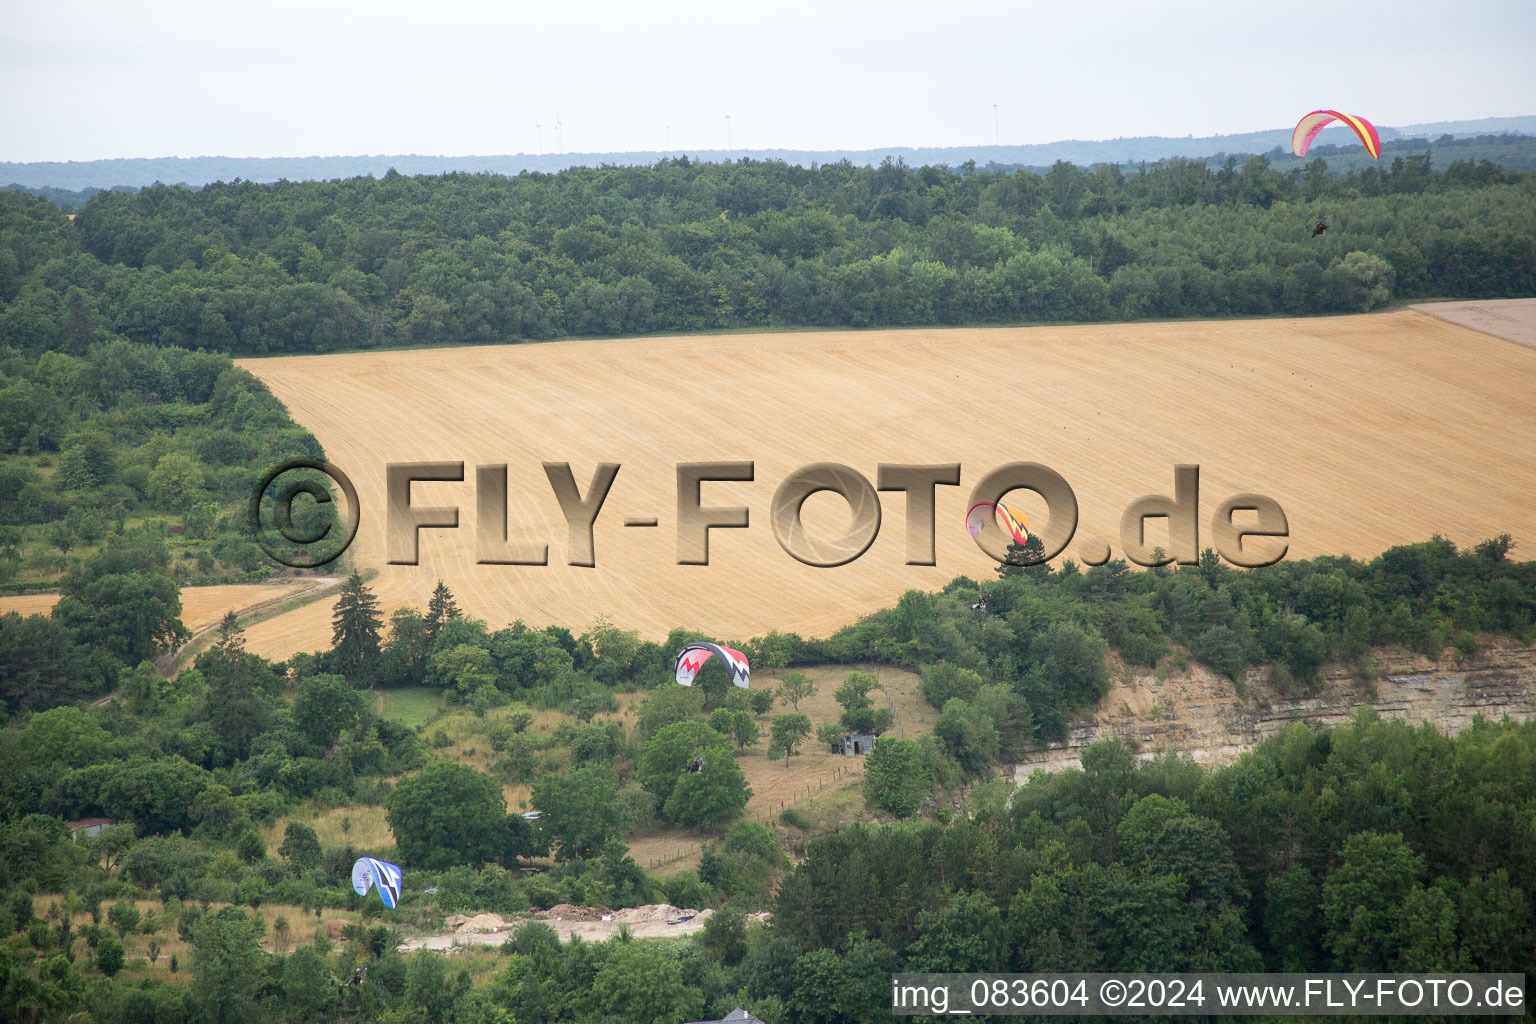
896, 773
518, 764
639, 805
1222, 649
685, 889
794, 819
943, 682
725, 935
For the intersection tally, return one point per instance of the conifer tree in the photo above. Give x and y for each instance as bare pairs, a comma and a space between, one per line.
355, 635
440, 609
1025, 559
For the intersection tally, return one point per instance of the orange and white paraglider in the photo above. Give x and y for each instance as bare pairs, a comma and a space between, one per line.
1012, 520
1307, 128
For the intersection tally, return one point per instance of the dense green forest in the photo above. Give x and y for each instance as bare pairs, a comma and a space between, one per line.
131, 437
682, 246
1370, 847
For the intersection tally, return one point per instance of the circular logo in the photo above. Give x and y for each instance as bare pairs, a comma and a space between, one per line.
319, 536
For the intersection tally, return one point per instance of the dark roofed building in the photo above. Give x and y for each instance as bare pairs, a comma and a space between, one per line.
736, 1016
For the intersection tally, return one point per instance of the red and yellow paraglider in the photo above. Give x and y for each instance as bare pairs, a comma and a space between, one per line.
1307, 128
1011, 518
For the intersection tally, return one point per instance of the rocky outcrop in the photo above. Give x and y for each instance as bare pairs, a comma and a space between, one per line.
1202, 714
590, 924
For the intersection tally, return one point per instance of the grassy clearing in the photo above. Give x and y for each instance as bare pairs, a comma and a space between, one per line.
484, 963
412, 706
468, 736
362, 825
667, 852
815, 770
519, 797
833, 810
302, 929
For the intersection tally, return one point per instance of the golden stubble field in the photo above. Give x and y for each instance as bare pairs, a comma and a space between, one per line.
1369, 430
200, 606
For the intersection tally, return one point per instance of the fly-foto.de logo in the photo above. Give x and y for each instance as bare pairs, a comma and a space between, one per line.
307, 534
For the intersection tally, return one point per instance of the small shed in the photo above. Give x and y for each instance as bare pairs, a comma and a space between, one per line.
736, 1016
89, 826
854, 744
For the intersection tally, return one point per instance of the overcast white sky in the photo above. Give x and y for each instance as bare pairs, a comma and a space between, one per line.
88, 79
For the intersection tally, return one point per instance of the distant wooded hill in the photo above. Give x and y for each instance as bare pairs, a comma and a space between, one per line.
682, 245
1406, 140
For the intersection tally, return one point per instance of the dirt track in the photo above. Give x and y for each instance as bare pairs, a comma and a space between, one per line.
1369, 430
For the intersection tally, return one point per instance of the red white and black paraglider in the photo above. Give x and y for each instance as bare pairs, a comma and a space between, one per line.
692, 658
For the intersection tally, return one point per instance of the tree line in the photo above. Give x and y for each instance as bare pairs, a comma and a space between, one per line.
682, 246
70, 185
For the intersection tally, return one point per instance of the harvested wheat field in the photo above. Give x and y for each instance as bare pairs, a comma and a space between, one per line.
1510, 319
28, 604
1368, 430
200, 606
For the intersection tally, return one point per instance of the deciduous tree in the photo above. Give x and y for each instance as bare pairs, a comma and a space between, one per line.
788, 731
447, 814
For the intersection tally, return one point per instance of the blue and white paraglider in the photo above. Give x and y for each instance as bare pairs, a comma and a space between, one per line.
372, 871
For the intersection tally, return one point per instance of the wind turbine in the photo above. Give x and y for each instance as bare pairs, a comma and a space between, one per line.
669, 138
560, 133
997, 132
540, 127
727, 133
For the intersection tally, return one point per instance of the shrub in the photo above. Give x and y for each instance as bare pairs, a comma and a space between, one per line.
794, 819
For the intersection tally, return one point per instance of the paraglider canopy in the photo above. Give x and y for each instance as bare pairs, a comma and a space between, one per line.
372, 871
692, 658
976, 517
1013, 520
1307, 128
